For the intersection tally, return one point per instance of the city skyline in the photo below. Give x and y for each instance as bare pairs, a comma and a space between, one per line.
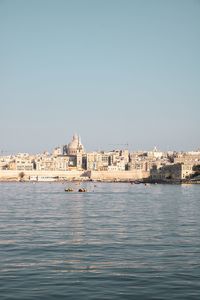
116, 72
116, 164
110, 148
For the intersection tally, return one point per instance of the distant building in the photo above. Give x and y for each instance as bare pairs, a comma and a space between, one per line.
155, 153
172, 165
4, 162
171, 172
98, 161
74, 147
192, 157
21, 164
75, 151
145, 160
57, 151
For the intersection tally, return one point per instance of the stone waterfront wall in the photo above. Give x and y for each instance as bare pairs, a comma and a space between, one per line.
42, 175
119, 175
6, 175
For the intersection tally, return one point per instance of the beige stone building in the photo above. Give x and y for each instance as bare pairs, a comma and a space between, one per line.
146, 160
50, 163
57, 151
192, 157
4, 162
75, 151
98, 161
21, 164
171, 172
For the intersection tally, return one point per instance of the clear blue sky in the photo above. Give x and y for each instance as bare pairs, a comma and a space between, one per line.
114, 71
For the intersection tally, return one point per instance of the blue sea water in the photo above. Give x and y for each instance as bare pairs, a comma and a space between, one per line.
117, 241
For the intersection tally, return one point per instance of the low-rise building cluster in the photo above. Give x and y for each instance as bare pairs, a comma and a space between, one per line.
161, 166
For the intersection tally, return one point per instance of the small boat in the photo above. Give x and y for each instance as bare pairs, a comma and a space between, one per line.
69, 190
82, 190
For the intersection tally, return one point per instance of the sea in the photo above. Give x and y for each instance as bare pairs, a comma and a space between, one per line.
115, 241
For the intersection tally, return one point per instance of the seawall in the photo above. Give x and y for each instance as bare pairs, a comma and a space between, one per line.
13, 175
119, 175
40, 175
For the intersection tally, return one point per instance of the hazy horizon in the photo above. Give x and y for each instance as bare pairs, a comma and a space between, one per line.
115, 72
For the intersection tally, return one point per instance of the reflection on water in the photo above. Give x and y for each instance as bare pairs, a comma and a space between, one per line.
117, 241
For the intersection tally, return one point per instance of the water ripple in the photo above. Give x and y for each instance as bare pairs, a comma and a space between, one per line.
118, 241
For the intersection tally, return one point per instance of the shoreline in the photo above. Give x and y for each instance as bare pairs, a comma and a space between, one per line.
132, 182
131, 177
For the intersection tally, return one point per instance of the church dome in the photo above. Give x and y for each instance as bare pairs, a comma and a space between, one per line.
74, 146
74, 143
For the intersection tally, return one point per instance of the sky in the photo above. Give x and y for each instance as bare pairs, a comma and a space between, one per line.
116, 72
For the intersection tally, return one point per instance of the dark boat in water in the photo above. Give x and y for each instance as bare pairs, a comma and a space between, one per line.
82, 190
69, 190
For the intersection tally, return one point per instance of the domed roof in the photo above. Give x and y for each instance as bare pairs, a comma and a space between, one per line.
74, 146
74, 143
